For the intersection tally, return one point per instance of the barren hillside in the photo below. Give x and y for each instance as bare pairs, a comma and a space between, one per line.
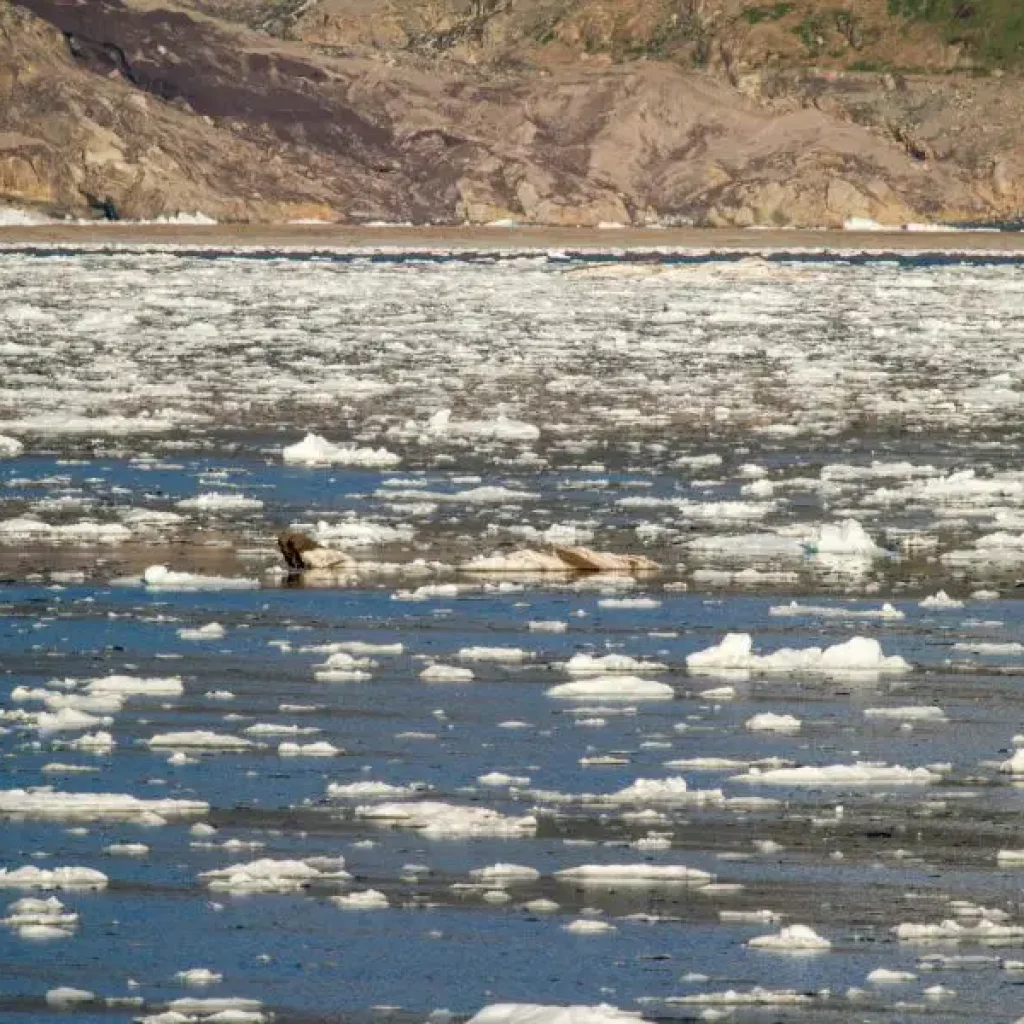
540, 111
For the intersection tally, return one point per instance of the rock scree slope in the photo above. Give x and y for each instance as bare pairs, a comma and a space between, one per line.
557, 112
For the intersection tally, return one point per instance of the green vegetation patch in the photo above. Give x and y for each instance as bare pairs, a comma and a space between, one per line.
992, 31
773, 12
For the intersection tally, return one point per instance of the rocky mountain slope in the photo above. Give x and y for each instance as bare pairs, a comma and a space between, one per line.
540, 111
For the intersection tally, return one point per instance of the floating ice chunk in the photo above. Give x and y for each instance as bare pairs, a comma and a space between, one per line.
941, 601
371, 791
1010, 648
34, 918
766, 721
31, 877
127, 849
756, 996
884, 976
446, 674
591, 665
198, 738
501, 428
613, 687
367, 899
269, 875
517, 561
861, 773
502, 655
319, 749
629, 602
214, 501
69, 720
794, 937
794, 609
856, 655
547, 626
504, 874
502, 779
211, 631
844, 538
440, 820
67, 996
314, 450
909, 713
10, 447
634, 874
719, 693
950, 930
588, 926
133, 686
46, 803
199, 976
354, 533
86, 532
672, 790
534, 1013
95, 742
159, 577
1015, 764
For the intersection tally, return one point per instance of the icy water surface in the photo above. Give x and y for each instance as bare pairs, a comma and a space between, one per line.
776, 780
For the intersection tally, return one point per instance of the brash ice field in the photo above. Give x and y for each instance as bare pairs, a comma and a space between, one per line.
777, 779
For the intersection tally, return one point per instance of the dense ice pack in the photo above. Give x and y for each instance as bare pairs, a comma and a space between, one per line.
449, 777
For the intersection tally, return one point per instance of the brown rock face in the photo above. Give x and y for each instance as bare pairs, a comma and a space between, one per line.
142, 108
293, 545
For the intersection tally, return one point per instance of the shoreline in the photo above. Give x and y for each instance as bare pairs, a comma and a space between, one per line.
503, 239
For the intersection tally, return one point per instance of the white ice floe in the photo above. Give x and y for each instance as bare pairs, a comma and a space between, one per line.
198, 739
792, 938
861, 773
595, 665
673, 790
269, 875
503, 779
371, 791
844, 538
534, 1013
794, 609
504, 874
314, 450
857, 655
34, 918
588, 926
950, 930
525, 561
65, 996
499, 655
31, 877
366, 899
10, 447
199, 976
909, 713
634, 874
629, 602
211, 631
766, 721
886, 976
441, 821
135, 686
84, 532
756, 996
46, 803
214, 501
501, 428
940, 601
1014, 765
612, 687
321, 748
127, 849
446, 674
159, 577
